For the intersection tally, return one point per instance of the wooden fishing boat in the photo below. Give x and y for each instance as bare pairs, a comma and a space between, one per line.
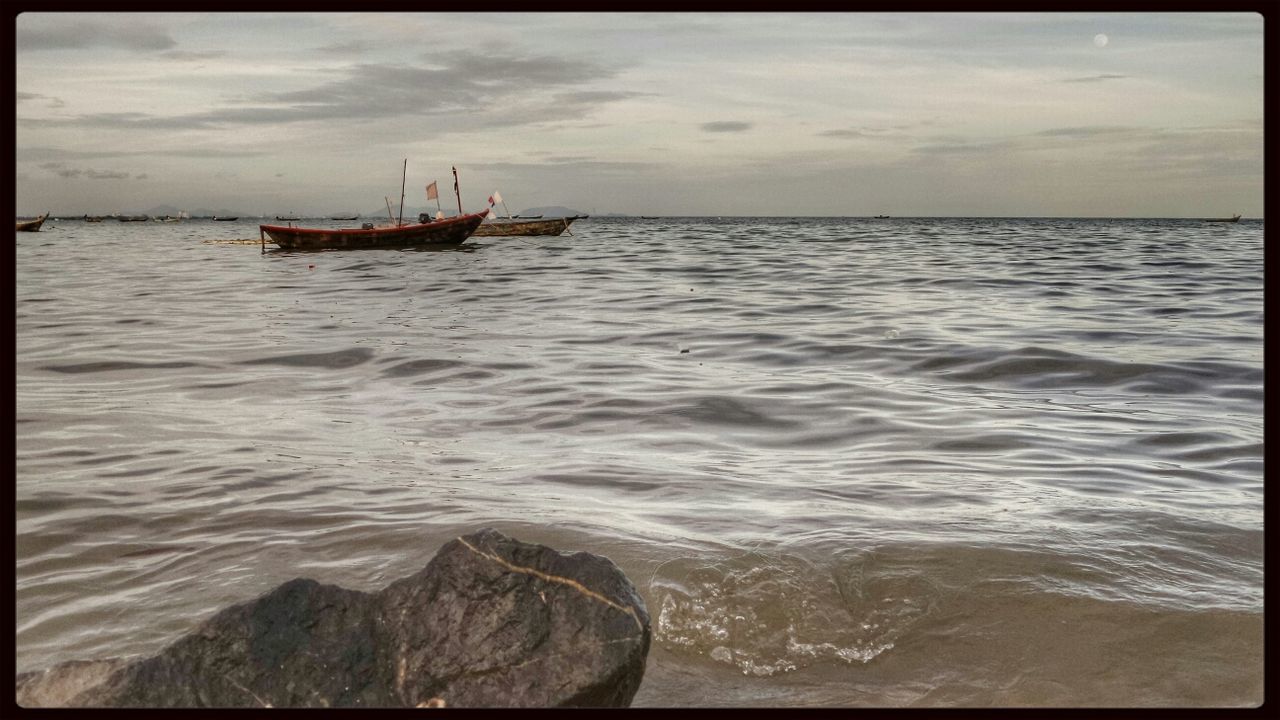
449, 231
32, 225
549, 226
1234, 218
226, 219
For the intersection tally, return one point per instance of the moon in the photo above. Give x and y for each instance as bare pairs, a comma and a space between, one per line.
1100, 40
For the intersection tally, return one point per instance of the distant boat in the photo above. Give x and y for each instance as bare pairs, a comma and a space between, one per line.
1233, 218
341, 217
881, 217
93, 218
526, 217
550, 226
290, 219
133, 218
32, 225
226, 219
648, 217
450, 231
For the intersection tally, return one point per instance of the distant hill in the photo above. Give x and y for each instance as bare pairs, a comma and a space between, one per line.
551, 211
409, 212
171, 211
162, 210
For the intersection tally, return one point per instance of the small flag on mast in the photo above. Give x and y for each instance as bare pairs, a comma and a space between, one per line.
496, 198
432, 193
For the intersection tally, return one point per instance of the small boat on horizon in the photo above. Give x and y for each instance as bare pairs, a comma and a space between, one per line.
226, 219
32, 225
343, 217
1233, 218
288, 218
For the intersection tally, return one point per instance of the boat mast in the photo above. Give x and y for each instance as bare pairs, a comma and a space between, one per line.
456, 191
403, 174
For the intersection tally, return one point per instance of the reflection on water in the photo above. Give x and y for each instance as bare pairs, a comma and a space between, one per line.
846, 461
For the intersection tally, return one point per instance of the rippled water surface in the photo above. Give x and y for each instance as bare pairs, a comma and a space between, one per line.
845, 461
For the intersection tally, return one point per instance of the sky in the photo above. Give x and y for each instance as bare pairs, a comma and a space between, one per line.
770, 114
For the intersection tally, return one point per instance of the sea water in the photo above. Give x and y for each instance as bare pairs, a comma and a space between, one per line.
846, 462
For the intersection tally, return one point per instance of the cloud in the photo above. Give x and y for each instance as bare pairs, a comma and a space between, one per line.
120, 121
465, 89
963, 148
35, 154
350, 47
720, 126
843, 133
52, 102
63, 171
1087, 131
591, 97
577, 165
105, 175
55, 32
193, 55
1095, 78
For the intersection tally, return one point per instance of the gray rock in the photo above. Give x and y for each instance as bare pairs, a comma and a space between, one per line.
490, 621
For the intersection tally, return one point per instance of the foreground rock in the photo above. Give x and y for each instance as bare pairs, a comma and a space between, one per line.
490, 621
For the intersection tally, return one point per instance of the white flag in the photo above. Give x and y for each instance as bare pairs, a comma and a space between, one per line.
496, 197
431, 191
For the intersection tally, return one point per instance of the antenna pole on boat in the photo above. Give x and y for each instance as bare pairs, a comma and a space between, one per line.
456, 191
403, 174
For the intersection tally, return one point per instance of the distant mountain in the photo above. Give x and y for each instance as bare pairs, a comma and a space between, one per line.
411, 213
220, 212
551, 211
171, 211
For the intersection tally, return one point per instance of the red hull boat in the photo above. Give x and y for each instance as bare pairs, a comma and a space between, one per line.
449, 231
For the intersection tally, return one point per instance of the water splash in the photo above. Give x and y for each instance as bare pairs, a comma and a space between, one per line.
776, 614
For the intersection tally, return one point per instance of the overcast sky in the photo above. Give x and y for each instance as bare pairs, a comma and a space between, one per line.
1122, 115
